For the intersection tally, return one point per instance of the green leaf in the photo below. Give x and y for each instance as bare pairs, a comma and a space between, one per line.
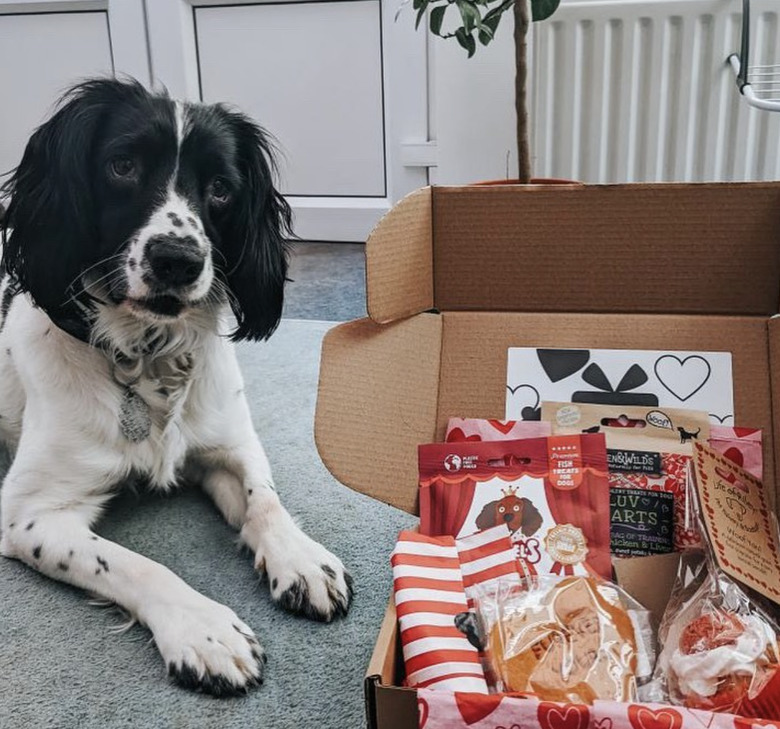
485, 35
471, 16
420, 16
466, 40
437, 17
497, 11
543, 9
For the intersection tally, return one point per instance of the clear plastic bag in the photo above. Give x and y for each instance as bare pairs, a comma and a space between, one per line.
576, 639
719, 649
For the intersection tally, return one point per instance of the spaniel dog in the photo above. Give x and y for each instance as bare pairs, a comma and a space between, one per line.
519, 514
136, 224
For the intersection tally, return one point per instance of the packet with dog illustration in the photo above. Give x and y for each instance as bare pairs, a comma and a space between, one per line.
648, 451
551, 494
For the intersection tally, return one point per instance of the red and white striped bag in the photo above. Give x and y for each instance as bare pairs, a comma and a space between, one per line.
434, 579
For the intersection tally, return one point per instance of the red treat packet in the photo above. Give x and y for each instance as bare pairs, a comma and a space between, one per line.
552, 494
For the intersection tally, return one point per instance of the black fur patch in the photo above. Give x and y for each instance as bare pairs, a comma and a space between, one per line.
175, 219
329, 571
29, 526
103, 563
62, 566
274, 582
37, 551
5, 305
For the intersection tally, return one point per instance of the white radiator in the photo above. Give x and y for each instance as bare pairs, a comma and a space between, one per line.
627, 91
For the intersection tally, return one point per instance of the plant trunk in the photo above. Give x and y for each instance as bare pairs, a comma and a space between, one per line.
522, 21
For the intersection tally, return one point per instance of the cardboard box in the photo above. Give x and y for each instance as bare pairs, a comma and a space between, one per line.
456, 275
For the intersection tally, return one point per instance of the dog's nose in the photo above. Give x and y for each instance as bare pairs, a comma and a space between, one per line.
174, 261
507, 518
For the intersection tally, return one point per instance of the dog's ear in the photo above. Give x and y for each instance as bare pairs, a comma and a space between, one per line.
532, 519
255, 249
50, 227
487, 517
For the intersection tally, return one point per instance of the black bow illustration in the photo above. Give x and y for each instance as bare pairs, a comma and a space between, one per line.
635, 377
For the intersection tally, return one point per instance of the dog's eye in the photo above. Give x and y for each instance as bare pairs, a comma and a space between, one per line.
517, 508
122, 167
501, 509
219, 192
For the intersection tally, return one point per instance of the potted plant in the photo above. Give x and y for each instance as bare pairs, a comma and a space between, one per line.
478, 22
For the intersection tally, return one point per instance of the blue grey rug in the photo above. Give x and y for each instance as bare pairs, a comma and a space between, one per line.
60, 666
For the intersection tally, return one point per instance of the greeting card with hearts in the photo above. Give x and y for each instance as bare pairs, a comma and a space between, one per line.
691, 380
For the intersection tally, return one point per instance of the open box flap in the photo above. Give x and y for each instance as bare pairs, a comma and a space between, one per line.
399, 260
376, 402
385, 389
654, 248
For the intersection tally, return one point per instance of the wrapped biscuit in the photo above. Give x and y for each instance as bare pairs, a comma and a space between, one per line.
571, 640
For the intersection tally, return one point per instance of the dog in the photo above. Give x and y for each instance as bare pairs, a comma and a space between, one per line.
686, 436
136, 224
518, 514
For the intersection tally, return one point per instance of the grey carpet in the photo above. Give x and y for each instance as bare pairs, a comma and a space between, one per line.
328, 281
61, 667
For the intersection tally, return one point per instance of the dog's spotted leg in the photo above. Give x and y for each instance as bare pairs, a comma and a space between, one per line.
304, 576
203, 643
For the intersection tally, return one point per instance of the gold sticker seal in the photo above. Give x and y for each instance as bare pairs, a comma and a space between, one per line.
566, 544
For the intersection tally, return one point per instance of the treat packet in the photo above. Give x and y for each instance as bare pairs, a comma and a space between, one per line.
719, 651
720, 641
475, 429
570, 640
648, 451
550, 494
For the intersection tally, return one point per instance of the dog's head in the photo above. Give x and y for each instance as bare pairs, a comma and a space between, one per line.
149, 206
518, 514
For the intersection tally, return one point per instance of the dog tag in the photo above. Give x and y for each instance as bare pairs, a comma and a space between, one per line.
134, 418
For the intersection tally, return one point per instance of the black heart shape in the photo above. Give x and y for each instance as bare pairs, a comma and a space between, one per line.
531, 413
719, 419
562, 363
682, 397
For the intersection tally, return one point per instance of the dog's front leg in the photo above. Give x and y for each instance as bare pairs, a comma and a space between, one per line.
304, 577
44, 524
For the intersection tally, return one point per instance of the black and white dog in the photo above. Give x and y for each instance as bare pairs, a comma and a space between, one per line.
135, 225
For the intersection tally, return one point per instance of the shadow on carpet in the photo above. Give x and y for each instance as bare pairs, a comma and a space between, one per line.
60, 666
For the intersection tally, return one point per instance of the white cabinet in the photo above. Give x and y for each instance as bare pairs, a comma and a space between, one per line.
339, 84
46, 46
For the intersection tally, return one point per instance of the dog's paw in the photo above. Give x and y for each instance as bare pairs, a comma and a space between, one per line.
305, 578
207, 648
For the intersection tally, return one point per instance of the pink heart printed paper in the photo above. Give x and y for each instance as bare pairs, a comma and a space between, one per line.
448, 710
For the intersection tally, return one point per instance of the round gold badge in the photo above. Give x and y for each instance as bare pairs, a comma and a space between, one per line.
566, 544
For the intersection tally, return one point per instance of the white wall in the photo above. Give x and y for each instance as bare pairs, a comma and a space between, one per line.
472, 108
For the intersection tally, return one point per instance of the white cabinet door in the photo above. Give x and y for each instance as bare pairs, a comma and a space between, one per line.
339, 84
46, 46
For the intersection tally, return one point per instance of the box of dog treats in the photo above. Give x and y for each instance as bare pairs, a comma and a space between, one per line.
668, 291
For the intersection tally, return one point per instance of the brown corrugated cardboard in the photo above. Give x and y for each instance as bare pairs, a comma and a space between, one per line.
688, 267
